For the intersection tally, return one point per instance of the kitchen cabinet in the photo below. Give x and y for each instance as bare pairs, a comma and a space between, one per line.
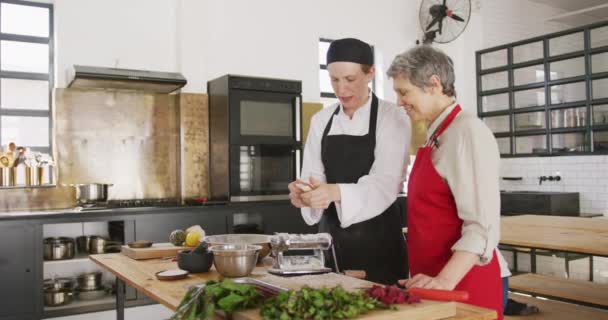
20, 275
550, 96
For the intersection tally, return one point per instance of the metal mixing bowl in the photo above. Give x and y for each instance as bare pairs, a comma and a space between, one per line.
242, 238
235, 260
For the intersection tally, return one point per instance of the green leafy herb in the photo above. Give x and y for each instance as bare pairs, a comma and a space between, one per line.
228, 296
308, 303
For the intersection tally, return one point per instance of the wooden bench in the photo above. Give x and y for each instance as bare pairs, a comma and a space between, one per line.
576, 291
556, 310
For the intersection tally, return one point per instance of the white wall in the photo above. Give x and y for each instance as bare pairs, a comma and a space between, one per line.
114, 33
206, 39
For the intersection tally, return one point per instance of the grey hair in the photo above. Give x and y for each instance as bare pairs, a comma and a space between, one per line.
420, 63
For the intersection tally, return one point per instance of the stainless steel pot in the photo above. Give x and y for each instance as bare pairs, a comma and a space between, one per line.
57, 297
102, 245
83, 243
91, 193
59, 283
91, 294
89, 281
58, 248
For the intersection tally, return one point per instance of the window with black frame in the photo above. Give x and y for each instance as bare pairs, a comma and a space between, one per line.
327, 93
26, 75
547, 95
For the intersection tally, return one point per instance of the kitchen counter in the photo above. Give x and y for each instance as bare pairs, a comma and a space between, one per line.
24, 231
141, 275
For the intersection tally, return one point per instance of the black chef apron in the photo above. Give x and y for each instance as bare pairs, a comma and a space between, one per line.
376, 245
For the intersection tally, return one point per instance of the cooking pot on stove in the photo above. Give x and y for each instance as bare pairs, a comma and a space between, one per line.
91, 193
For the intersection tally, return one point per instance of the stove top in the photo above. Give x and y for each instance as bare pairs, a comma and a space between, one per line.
132, 203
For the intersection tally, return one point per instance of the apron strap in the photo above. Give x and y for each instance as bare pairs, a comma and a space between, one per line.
373, 116
433, 139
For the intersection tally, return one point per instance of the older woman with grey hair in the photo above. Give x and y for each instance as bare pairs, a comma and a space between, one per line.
453, 205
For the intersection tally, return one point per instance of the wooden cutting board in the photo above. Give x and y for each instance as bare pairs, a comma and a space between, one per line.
426, 310
157, 250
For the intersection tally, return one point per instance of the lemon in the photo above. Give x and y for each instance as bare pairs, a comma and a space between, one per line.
193, 239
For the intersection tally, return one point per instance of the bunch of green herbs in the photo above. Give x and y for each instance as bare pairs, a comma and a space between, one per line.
201, 302
308, 303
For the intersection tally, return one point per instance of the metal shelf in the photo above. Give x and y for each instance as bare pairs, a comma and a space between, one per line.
545, 86
87, 306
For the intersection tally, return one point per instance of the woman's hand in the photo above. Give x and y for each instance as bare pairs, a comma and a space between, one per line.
322, 195
423, 281
295, 193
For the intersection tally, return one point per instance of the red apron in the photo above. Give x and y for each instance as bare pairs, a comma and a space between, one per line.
434, 227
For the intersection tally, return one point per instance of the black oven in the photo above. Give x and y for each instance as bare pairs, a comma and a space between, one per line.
255, 137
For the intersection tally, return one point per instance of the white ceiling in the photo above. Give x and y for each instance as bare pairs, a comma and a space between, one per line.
571, 5
578, 12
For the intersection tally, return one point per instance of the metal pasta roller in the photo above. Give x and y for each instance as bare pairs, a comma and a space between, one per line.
301, 254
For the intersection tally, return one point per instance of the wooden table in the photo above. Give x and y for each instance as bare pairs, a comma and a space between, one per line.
566, 234
140, 274
579, 235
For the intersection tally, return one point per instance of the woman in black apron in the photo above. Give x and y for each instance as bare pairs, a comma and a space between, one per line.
375, 245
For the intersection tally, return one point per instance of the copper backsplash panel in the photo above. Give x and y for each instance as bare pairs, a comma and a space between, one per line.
148, 145
194, 140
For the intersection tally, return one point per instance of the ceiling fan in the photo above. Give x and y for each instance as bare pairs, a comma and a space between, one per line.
443, 21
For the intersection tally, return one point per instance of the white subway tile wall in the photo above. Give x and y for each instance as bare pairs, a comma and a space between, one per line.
587, 175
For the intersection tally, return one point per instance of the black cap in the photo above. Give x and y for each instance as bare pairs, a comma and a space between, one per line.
350, 50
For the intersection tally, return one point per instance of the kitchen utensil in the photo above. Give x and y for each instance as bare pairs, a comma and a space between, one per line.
242, 238
194, 262
99, 245
140, 244
265, 288
91, 193
57, 297
83, 243
58, 283
157, 250
440, 295
300, 262
173, 274
235, 260
89, 281
91, 294
58, 248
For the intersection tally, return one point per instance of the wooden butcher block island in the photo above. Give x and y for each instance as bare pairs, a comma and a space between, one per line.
141, 275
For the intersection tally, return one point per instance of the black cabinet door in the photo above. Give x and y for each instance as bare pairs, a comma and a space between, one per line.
19, 296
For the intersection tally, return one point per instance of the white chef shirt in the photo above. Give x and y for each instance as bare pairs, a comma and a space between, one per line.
375, 192
469, 161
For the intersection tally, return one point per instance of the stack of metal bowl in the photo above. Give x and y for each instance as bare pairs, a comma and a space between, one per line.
243, 238
58, 291
235, 260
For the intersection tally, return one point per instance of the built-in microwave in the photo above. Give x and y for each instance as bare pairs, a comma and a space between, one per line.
255, 137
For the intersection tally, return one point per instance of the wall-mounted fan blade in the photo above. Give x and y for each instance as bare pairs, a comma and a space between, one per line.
456, 17
432, 19
435, 20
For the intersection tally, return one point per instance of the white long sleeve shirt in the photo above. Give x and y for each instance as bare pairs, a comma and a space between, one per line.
468, 160
375, 192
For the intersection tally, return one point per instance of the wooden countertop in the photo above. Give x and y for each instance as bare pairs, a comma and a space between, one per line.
141, 275
572, 234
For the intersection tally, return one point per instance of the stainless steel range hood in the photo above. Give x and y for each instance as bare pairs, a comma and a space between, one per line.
113, 78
